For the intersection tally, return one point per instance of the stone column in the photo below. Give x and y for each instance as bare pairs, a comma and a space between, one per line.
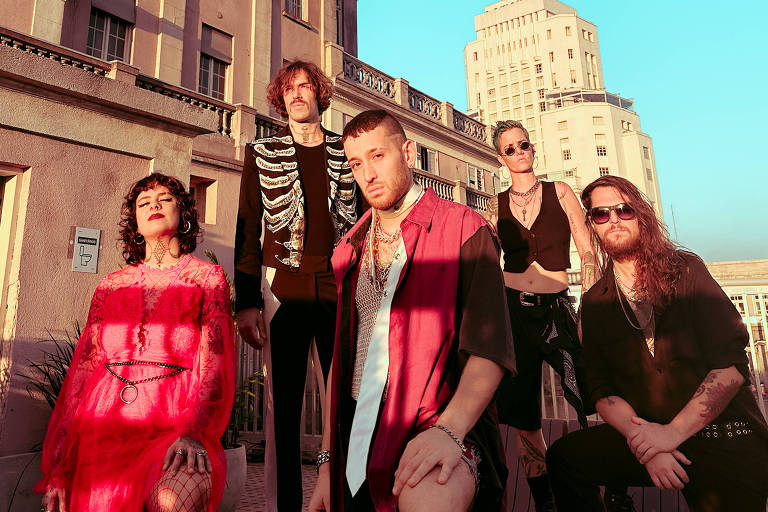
171, 41
243, 128
401, 92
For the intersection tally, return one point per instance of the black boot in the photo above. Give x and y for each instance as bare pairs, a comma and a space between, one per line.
542, 493
617, 500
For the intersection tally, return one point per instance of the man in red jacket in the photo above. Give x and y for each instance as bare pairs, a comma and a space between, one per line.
422, 342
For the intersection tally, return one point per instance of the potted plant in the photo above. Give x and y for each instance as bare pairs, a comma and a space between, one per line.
19, 473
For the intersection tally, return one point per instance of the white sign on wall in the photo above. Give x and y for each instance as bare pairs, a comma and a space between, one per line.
85, 255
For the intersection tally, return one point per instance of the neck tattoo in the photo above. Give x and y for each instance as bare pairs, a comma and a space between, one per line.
158, 251
305, 133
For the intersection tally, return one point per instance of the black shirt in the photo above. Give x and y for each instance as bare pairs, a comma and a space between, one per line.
548, 240
700, 330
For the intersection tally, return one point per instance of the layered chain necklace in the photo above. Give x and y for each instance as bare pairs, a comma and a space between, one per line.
648, 325
379, 272
528, 196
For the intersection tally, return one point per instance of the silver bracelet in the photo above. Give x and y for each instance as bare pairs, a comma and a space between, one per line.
322, 457
450, 433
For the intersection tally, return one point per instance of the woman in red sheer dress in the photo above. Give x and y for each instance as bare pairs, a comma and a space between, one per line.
150, 387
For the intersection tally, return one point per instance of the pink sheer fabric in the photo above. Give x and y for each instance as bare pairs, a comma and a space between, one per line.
108, 454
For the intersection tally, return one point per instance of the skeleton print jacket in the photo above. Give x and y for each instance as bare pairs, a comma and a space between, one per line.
270, 187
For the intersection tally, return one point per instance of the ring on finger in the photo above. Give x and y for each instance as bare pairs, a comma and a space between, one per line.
203, 453
181, 452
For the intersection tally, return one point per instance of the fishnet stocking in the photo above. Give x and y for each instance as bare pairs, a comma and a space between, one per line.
182, 492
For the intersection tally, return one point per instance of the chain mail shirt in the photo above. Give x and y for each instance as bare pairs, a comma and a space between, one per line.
367, 304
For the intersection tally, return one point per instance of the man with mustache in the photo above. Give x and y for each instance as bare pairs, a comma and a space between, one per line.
423, 341
299, 182
666, 368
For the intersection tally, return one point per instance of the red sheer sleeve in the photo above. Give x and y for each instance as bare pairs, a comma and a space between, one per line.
59, 441
214, 373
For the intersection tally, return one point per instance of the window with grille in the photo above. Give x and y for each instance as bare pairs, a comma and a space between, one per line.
108, 37
649, 174
604, 171
570, 53
602, 151
537, 68
646, 153
566, 154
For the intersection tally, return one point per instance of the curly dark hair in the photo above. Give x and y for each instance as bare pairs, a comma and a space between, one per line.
321, 84
133, 252
659, 260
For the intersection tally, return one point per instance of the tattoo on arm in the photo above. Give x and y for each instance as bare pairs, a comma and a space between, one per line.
717, 396
493, 207
709, 379
531, 458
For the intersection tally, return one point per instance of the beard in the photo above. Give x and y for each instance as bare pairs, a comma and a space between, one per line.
622, 249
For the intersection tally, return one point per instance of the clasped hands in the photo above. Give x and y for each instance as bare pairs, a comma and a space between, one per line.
655, 446
429, 449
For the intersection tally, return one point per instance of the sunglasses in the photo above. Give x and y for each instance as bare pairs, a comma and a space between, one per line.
602, 214
510, 150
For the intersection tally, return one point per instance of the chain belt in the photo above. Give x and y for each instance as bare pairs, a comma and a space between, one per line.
131, 384
727, 429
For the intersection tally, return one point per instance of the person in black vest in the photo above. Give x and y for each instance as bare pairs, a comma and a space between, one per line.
665, 364
300, 183
535, 221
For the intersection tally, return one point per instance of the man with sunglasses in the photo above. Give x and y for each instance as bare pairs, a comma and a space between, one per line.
666, 368
535, 221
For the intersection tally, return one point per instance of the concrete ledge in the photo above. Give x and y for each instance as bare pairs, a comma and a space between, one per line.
44, 77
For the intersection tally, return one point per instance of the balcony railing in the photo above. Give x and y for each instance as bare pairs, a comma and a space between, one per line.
225, 110
398, 91
468, 126
477, 200
568, 98
369, 77
424, 104
442, 187
54, 52
267, 126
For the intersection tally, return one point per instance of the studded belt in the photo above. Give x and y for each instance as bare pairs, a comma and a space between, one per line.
726, 430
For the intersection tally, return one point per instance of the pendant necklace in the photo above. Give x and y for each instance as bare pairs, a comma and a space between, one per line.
529, 194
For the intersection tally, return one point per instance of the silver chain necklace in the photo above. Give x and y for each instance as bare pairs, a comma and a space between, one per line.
527, 192
620, 291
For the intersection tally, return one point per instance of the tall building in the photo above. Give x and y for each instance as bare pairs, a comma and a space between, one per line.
538, 62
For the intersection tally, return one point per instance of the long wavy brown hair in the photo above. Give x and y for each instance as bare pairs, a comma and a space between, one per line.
134, 247
321, 84
658, 260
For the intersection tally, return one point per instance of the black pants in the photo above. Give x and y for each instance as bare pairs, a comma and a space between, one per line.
307, 311
725, 475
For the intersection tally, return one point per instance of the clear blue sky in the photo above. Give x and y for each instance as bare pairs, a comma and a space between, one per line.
698, 72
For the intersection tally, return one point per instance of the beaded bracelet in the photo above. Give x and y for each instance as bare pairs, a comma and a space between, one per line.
450, 433
322, 457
